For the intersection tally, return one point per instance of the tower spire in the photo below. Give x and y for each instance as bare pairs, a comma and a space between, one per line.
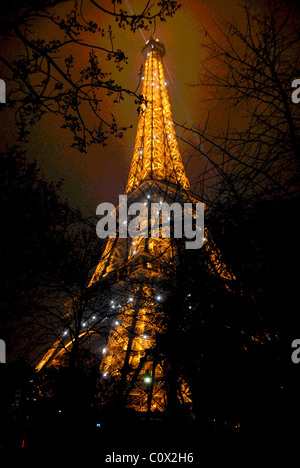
156, 152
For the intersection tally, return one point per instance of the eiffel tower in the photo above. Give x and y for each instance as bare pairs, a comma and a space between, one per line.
141, 268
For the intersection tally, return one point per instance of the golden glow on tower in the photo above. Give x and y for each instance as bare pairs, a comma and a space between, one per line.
132, 338
156, 153
138, 269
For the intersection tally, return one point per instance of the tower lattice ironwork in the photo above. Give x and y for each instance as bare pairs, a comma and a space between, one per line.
139, 268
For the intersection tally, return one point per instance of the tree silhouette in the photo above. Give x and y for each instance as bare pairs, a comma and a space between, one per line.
256, 153
46, 77
250, 185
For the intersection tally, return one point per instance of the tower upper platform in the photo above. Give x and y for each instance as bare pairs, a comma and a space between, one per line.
153, 45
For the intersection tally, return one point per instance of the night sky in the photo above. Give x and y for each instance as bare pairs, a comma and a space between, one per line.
101, 174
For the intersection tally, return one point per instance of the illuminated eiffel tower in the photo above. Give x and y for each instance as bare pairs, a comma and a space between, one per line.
140, 268
156, 175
